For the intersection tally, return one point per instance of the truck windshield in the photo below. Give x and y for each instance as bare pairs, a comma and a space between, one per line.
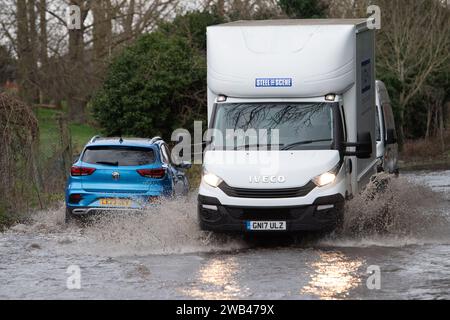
300, 125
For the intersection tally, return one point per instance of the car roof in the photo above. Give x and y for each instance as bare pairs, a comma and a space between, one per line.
118, 141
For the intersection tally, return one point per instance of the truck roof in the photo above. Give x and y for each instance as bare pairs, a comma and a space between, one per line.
291, 22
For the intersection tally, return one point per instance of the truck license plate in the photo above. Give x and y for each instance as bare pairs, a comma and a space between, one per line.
266, 225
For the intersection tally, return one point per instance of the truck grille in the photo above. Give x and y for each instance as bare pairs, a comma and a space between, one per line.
267, 193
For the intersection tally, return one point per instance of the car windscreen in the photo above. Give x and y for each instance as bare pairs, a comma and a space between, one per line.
119, 156
299, 125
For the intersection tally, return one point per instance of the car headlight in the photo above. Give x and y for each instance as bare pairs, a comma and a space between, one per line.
211, 179
328, 177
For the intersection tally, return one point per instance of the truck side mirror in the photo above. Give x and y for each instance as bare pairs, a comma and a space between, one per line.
363, 146
391, 136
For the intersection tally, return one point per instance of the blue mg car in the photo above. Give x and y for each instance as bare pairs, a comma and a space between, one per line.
122, 174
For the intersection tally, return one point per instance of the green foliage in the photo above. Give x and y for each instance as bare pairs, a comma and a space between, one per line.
303, 9
415, 121
49, 139
159, 83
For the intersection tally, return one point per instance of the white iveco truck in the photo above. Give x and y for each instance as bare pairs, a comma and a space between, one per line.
293, 106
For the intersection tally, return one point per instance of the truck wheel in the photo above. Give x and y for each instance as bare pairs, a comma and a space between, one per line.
202, 226
340, 219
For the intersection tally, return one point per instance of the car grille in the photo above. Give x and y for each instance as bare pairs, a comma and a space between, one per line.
267, 193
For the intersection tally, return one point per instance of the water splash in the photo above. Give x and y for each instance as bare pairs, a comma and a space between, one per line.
390, 212
394, 212
166, 229
170, 228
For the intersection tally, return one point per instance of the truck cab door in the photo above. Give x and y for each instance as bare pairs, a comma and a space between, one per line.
348, 165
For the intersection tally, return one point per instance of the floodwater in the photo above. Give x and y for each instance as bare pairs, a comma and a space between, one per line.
402, 233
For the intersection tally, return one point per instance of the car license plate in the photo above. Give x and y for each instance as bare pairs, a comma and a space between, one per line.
266, 225
115, 202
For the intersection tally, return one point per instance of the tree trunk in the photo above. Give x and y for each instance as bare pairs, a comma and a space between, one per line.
441, 126
26, 41
429, 117
221, 8
43, 55
401, 127
102, 33
77, 73
32, 33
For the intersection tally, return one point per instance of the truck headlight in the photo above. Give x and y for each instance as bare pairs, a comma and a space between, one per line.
211, 179
324, 179
328, 177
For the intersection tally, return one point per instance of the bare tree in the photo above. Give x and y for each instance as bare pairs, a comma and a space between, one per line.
26, 49
43, 53
244, 9
102, 31
415, 44
412, 46
76, 98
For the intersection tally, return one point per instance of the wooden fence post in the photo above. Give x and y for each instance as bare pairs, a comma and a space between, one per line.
66, 144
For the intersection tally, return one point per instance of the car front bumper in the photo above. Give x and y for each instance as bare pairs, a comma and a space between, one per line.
324, 214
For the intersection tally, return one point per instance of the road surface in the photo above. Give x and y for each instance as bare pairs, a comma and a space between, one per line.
404, 233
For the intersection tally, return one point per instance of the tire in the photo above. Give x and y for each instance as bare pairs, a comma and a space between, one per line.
337, 228
70, 217
202, 226
340, 221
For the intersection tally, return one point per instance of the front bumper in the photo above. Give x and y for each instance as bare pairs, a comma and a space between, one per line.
324, 214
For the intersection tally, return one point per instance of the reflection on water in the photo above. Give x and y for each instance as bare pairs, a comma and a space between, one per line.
335, 275
217, 280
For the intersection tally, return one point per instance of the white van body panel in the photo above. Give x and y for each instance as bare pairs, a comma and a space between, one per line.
297, 52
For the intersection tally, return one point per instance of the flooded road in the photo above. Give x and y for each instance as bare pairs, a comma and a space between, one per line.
404, 231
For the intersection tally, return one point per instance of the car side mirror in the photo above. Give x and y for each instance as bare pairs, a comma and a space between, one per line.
185, 165
363, 146
391, 136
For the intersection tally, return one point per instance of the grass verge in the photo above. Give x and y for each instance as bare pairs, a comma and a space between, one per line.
426, 154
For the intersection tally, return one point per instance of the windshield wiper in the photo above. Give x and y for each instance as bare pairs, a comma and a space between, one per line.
247, 146
298, 143
107, 163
